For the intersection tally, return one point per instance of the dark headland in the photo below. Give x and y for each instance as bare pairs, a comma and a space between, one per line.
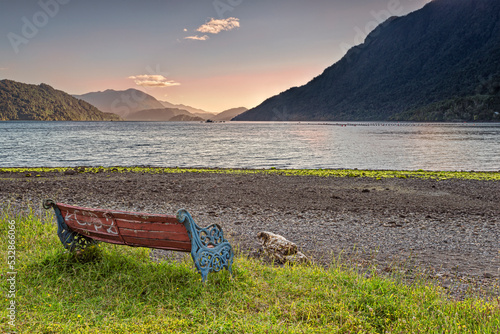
439, 63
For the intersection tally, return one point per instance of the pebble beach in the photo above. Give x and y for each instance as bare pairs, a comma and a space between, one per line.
447, 231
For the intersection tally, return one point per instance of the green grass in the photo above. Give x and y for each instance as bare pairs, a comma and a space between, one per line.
378, 174
117, 289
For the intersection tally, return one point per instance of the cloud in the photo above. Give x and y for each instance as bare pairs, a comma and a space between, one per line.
198, 38
185, 29
216, 26
3, 68
153, 80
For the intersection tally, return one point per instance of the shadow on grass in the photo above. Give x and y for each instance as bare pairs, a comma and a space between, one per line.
110, 274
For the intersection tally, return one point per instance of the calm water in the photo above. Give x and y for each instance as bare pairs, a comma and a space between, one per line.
252, 145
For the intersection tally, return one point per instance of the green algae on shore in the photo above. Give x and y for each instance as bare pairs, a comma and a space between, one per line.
377, 174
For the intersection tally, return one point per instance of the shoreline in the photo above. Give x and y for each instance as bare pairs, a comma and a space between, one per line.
327, 172
446, 228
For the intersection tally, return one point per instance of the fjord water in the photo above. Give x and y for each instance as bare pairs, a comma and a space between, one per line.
394, 146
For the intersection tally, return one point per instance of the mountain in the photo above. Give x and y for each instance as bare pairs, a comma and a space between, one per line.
186, 118
194, 111
135, 105
469, 108
130, 102
436, 57
121, 103
229, 114
20, 101
162, 115
180, 115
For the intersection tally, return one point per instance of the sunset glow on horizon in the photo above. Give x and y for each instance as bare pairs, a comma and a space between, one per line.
213, 55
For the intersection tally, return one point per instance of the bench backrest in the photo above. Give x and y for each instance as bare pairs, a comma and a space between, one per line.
127, 228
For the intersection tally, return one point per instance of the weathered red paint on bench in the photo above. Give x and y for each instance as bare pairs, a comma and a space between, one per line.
79, 227
128, 228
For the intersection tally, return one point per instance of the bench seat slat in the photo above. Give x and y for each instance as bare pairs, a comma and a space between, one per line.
118, 214
150, 234
146, 218
156, 243
115, 239
145, 226
110, 225
92, 226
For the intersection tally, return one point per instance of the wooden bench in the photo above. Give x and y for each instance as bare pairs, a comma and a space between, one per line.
79, 227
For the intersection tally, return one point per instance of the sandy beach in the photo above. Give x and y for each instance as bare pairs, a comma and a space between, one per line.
449, 230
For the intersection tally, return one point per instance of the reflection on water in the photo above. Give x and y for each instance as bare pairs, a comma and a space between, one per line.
407, 146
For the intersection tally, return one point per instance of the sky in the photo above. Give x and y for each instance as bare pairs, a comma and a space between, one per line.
208, 54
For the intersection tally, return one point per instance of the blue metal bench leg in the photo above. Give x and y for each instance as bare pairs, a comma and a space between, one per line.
209, 250
71, 240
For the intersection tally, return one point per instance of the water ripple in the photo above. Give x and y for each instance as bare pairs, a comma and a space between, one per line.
408, 146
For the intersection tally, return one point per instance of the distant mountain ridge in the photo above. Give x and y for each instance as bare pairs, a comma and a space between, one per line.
193, 111
229, 114
121, 103
133, 104
163, 115
20, 101
438, 57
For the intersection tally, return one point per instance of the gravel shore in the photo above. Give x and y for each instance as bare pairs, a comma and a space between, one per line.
447, 230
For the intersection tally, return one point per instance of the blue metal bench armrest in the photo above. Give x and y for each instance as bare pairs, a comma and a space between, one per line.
209, 250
